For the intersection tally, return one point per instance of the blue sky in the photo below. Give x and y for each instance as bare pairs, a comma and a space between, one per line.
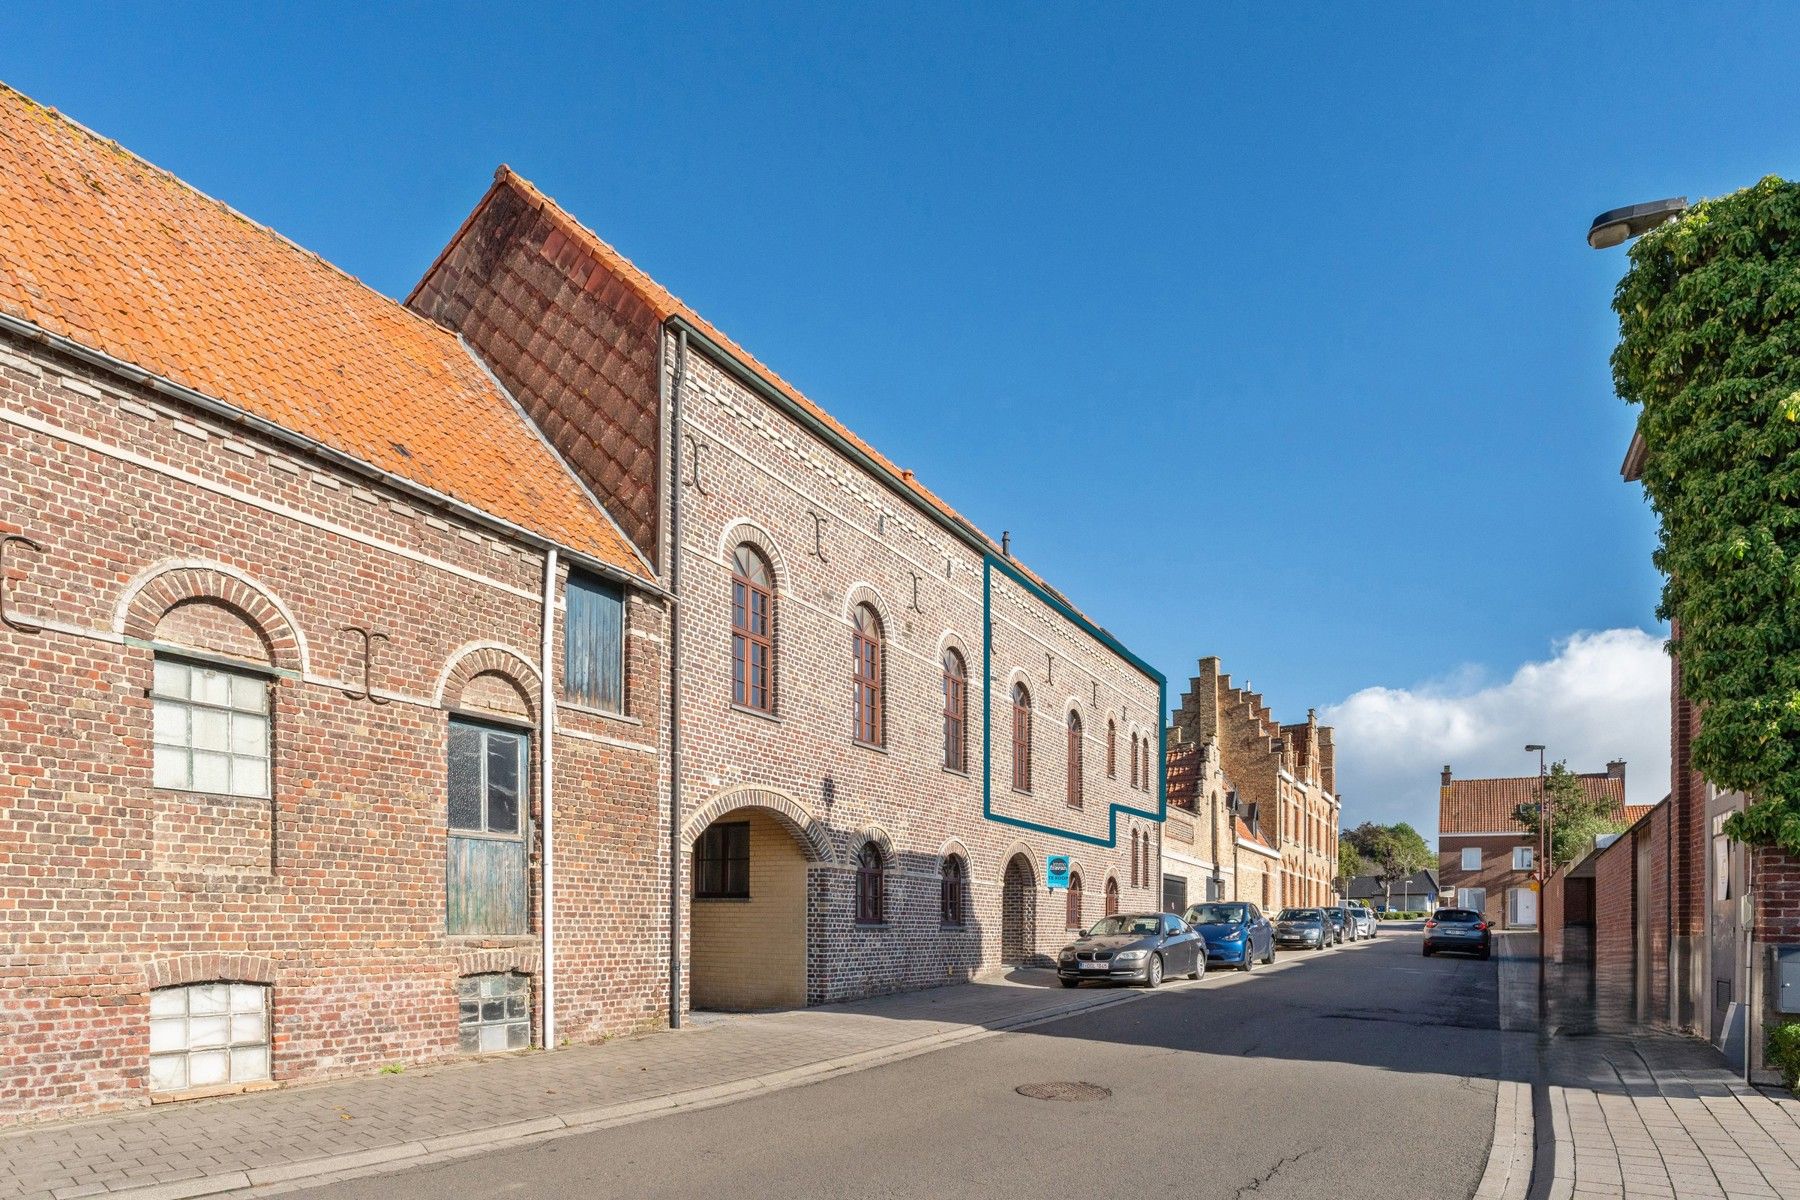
1271, 335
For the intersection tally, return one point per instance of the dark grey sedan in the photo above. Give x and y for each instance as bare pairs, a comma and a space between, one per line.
1303, 927
1133, 948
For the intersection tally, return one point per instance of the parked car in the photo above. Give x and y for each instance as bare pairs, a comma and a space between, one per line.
1235, 933
1302, 927
1133, 948
1460, 929
1366, 924
1339, 923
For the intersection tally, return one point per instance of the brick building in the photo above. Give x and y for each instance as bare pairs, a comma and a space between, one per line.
886, 723
1260, 799
301, 624
1486, 860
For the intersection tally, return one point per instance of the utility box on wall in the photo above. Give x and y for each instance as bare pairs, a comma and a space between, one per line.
1787, 979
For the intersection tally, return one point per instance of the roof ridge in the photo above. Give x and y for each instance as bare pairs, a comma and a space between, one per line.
171, 177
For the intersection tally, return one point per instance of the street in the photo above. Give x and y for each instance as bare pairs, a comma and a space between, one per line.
1365, 1071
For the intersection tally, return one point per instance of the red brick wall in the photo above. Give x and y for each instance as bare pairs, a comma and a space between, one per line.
1496, 873
1776, 877
333, 890
1550, 916
1615, 951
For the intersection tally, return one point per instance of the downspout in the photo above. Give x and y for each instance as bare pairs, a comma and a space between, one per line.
547, 706
674, 574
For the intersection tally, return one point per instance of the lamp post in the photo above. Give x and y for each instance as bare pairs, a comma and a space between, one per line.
1543, 877
1616, 226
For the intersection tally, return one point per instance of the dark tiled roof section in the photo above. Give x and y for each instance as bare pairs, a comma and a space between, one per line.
103, 248
1486, 805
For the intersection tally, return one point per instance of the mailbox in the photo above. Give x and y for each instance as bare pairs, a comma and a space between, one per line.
1787, 979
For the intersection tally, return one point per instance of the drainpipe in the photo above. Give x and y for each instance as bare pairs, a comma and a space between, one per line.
674, 572
547, 706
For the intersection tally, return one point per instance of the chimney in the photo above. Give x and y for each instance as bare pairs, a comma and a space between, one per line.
1006, 542
1616, 768
1446, 782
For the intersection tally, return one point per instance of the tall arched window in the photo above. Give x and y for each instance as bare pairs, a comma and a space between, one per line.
865, 641
1134, 858
869, 872
956, 711
1112, 749
1072, 916
1021, 738
1149, 761
1134, 759
1112, 897
752, 631
1075, 759
950, 890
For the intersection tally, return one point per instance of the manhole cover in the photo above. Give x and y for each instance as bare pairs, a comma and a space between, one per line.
1063, 1091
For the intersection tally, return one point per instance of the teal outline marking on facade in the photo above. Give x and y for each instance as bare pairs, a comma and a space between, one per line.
988, 563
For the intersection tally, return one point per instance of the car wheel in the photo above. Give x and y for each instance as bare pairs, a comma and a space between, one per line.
1199, 971
1071, 982
1428, 952
1249, 959
1153, 972
1270, 957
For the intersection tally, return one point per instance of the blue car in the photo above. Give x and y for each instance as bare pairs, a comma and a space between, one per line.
1235, 932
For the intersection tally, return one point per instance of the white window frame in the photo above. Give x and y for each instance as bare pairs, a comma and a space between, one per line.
211, 725
1522, 857
1466, 852
208, 1035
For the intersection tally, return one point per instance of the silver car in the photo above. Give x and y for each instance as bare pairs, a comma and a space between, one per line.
1133, 948
1364, 920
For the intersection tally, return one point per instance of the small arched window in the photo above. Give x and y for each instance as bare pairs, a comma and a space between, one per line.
865, 642
1021, 738
1134, 760
1134, 858
752, 631
1112, 749
956, 711
950, 891
1072, 916
1075, 759
870, 870
1112, 896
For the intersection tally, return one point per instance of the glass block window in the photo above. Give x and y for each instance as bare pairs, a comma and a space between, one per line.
494, 1013
208, 1034
211, 729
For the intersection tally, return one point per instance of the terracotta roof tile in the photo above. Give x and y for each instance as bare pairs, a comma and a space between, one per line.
98, 246
1243, 831
1486, 805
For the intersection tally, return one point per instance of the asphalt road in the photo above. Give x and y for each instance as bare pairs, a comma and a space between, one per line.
1366, 1071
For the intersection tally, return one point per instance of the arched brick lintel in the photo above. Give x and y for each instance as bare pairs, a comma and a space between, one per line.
481, 658
206, 968
154, 592
815, 843
494, 960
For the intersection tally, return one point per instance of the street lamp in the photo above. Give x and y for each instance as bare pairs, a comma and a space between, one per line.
1542, 878
1619, 225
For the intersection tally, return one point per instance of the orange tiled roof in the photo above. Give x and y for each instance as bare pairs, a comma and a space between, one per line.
1486, 805
100, 247
1243, 831
1637, 812
666, 305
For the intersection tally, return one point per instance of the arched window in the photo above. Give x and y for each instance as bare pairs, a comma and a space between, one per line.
1112, 749
1149, 760
1134, 858
956, 711
1112, 896
752, 631
1134, 759
1072, 917
1021, 738
950, 891
865, 642
869, 873
1075, 760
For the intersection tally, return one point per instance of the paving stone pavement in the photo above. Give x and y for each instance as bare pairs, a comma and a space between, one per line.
210, 1145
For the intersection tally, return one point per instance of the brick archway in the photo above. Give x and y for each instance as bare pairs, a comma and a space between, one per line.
489, 658
205, 968
152, 594
815, 843
1018, 912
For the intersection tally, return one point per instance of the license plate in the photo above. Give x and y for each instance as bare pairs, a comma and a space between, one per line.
1096, 966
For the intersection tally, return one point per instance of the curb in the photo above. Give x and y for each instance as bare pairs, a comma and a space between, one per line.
307, 1172
1508, 1173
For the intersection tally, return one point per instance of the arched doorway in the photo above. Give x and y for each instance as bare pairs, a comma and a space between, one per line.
1018, 912
748, 852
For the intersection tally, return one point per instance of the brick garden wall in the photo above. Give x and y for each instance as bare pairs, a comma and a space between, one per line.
159, 524
1615, 944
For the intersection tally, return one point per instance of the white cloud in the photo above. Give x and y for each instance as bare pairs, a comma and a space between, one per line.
1600, 696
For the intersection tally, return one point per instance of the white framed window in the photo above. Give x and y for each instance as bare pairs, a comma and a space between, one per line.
1471, 858
207, 1035
1523, 858
211, 729
493, 1013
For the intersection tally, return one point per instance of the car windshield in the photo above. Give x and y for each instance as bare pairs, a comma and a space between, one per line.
1458, 915
1301, 914
1217, 914
1142, 925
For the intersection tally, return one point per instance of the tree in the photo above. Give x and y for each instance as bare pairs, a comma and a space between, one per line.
1395, 851
1709, 347
1577, 816
1350, 864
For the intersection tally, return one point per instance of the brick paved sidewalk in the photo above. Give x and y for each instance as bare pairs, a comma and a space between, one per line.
1644, 1113
316, 1131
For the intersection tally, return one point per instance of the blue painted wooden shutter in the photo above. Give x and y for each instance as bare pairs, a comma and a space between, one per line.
594, 643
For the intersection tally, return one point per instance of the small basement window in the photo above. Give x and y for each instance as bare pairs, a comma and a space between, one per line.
494, 1013
208, 1035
